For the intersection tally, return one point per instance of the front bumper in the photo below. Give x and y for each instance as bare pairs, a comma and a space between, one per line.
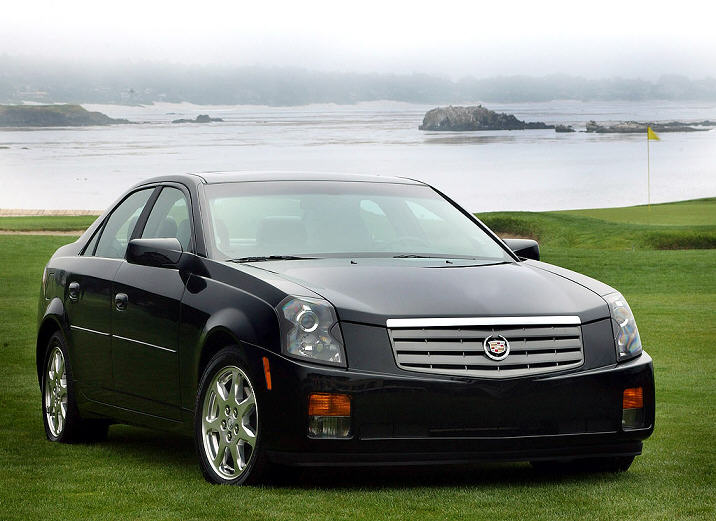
422, 419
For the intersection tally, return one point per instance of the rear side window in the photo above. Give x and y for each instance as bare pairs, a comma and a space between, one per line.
120, 225
169, 218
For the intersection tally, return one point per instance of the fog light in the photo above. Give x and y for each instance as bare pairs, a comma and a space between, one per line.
329, 415
633, 408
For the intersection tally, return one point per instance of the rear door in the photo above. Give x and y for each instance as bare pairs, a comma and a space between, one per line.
88, 296
145, 317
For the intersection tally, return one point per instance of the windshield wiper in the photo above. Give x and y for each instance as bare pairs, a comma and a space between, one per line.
417, 256
268, 258
459, 257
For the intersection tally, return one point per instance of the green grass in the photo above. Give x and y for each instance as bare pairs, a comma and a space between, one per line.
672, 226
49, 223
141, 474
698, 212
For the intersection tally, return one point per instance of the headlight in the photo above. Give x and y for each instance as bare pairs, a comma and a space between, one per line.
626, 334
310, 330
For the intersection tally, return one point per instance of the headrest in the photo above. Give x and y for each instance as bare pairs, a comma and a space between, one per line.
184, 233
168, 228
130, 227
281, 233
222, 235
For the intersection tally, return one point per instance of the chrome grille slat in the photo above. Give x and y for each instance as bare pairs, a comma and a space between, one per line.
516, 345
540, 347
476, 359
464, 333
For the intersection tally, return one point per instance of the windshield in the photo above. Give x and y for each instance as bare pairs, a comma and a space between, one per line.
254, 220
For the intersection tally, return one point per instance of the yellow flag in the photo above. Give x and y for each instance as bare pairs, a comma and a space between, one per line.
650, 134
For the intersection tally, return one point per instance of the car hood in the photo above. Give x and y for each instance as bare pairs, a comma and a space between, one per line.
373, 290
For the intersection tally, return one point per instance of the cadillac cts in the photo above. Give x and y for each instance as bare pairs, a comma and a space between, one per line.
286, 319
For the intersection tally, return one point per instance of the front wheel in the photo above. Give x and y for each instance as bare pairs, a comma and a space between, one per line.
227, 429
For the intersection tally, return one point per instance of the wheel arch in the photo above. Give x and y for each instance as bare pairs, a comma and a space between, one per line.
51, 322
226, 327
215, 340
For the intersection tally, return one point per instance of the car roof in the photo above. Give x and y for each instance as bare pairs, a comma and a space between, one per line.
271, 175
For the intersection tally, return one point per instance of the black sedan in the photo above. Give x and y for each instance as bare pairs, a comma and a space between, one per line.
295, 319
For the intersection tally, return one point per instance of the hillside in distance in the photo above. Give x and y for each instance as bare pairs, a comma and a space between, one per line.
144, 83
52, 116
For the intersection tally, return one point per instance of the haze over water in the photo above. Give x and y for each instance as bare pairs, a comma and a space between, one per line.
87, 168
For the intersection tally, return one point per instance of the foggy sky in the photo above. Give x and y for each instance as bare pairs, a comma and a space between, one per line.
455, 39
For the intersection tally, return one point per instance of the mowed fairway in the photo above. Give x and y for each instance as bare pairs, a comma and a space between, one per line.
141, 474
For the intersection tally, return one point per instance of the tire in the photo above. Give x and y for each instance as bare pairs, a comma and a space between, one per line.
227, 422
586, 465
60, 414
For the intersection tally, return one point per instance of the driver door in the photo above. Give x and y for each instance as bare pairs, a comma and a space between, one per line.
145, 316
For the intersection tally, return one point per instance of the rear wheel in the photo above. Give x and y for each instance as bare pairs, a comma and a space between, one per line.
227, 428
611, 464
59, 406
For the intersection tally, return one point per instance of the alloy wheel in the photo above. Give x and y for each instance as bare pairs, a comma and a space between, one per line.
56, 392
229, 422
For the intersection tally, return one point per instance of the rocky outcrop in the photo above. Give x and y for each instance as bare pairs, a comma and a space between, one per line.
201, 118
480, 118
563, 128
52, 116
636, 127
538, 125
474, 118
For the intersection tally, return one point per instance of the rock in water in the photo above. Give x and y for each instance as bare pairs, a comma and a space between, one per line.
474, 118
201, 118
530, 125
563, 128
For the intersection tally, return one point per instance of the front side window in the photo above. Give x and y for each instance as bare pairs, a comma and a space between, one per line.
92, 244
120, 225
341, 219
169, 217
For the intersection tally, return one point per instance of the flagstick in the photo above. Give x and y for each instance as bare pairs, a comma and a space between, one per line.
648, 173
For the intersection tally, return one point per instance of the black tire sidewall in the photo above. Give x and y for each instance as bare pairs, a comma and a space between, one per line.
255, 469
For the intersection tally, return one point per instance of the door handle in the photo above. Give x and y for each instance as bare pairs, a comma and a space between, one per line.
74, 291
120, 301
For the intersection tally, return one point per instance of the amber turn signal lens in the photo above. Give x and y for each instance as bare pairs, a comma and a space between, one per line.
329, 404
633, 398
267, 373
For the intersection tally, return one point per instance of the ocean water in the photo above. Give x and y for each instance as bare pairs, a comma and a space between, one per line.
87, 168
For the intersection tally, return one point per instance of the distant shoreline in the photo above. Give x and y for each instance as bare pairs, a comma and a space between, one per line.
49, 81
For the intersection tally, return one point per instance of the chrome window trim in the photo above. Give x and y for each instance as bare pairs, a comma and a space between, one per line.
559, 320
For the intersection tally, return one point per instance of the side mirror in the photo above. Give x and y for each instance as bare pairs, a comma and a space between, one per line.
526, 248
159, 253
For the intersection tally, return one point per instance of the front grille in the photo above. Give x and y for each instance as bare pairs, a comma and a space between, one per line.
456, 346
